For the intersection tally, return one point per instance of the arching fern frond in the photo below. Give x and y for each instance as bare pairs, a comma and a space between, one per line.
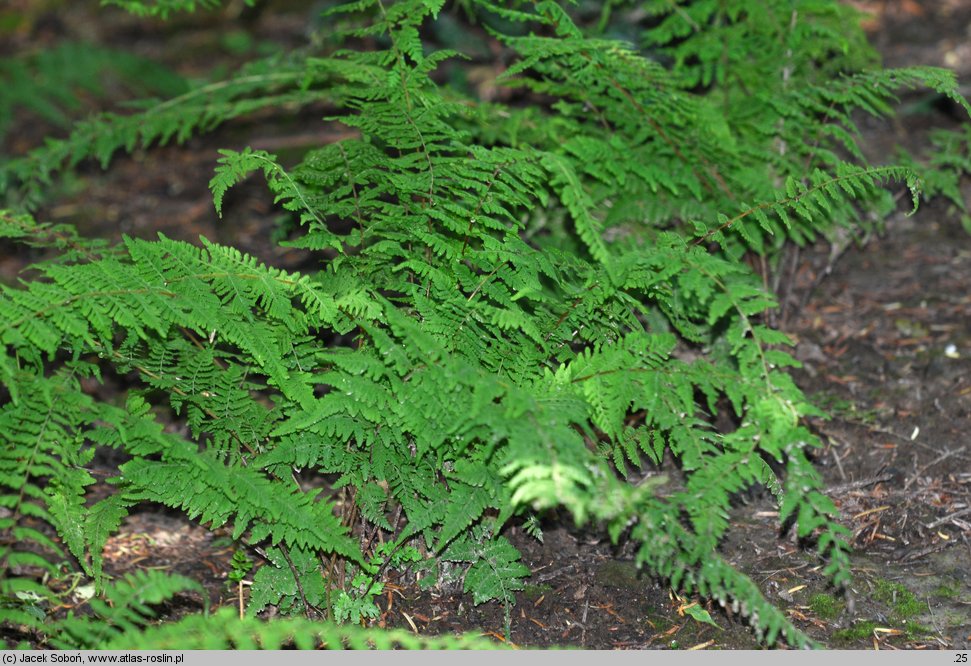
127, 607
225, 631
512, 306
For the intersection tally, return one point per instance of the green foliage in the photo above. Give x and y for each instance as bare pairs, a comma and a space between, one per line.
949, 161
902, 602
162, 8
825, 606
224, 631
275, 82
126, 606
518, 308
241, 566
43, 479
51, 83
496, 572
122, 620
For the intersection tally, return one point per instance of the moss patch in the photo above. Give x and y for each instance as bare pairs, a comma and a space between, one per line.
861, 631
858, 632
901, 601
825, 606
915, 631
947, 590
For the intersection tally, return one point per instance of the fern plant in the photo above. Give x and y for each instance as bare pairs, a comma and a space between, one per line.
515, 304
123, 620
51, 83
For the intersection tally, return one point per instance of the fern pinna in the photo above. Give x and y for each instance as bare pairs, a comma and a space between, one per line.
515, 304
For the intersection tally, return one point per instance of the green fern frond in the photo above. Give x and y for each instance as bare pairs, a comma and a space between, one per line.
162, 8
127, 607
48, 82
512, 306
262, 84
226, 631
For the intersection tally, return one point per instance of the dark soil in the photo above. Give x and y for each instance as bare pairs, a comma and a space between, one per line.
885, 338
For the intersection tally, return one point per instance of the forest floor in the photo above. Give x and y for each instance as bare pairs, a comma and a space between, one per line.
884, 336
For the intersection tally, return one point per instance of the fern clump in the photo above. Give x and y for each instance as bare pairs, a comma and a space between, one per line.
515, 305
